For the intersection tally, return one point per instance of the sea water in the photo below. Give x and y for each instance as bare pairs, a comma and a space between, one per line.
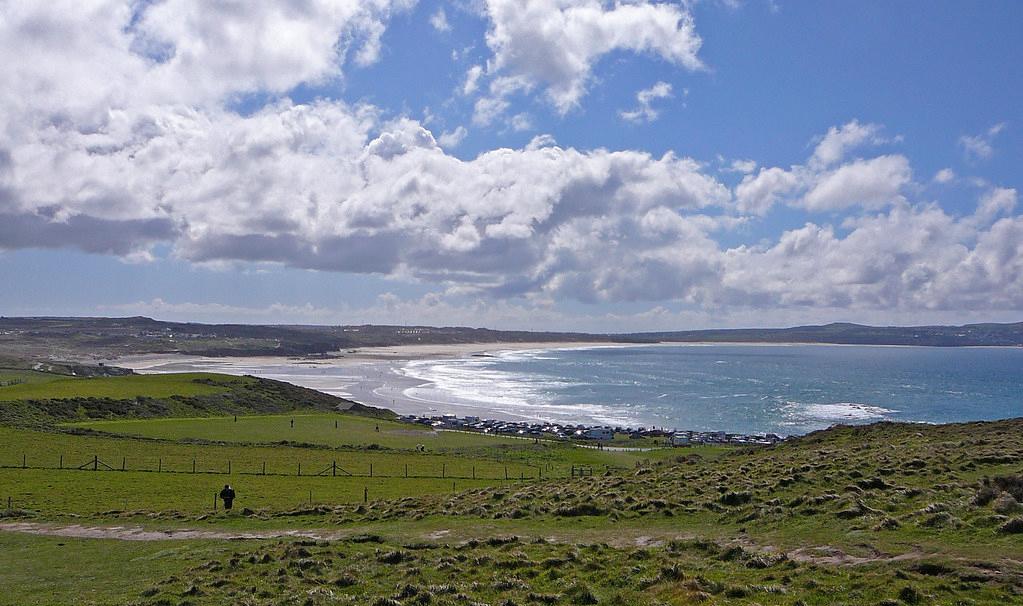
790, 389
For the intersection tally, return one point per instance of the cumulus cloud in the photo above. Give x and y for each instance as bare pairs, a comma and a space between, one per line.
554, 44
100, 157
838, 141
452, 139
981, 147
829, 180
645, 112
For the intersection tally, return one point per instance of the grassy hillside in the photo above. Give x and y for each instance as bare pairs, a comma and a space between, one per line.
888, 514
121, 388
45, 402
885, 515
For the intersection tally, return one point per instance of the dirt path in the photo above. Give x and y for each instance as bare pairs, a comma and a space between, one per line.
137, 533
826, 554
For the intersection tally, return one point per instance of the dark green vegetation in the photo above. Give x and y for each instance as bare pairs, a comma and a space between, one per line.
104, 338
886, 514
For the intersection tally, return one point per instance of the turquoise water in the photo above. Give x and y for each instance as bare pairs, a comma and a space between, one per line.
789, 389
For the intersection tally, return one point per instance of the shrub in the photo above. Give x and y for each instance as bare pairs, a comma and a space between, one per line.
1013, 526
733, 499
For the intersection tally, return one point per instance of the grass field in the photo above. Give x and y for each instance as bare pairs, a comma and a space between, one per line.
158, 473
308, 428
10, 377
153, 386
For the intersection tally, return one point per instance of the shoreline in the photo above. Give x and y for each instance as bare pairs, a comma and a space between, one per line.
371, 375
404, 380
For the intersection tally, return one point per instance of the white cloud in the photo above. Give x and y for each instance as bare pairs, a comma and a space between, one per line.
996, 201
829, 182
945, 175
744, 167
645, 111
472, 78
521, 122
870, 183
756, 194
123, 166
452, 139
981, 147
439, 21
553, 44
838, 141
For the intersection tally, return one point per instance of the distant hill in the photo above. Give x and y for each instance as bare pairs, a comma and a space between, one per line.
857, 334
99, 338
104, 338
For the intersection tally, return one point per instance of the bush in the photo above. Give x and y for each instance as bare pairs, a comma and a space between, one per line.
1013, 526
733, 499
910, 595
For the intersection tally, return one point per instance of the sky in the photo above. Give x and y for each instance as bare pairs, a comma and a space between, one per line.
516, 164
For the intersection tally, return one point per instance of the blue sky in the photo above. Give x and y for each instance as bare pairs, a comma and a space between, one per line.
825, 161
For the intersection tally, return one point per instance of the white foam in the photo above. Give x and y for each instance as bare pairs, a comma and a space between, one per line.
846, 411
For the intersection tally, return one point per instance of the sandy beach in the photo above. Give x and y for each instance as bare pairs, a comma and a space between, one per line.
369, 375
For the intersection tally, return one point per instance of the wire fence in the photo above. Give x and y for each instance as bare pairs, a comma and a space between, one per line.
309, 468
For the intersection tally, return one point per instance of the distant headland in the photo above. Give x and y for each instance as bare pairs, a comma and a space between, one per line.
108, 338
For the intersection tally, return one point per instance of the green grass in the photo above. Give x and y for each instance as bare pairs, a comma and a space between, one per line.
152, 386
388, 569
184, 496
920, 514
10, 377
55, 570
308, 428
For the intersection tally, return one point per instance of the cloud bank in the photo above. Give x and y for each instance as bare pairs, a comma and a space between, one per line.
120, 135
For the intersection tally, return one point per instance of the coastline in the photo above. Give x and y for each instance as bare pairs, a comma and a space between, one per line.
435, 380
368, 375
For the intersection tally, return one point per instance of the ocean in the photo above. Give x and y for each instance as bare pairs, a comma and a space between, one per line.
784, 389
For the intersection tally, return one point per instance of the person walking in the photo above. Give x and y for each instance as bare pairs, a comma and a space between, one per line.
227, 494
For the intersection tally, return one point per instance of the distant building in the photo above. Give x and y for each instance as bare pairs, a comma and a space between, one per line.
598, 433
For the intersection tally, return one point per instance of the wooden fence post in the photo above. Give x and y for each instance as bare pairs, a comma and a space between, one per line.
123, 463
229, 467
299, 469
505, 472
443, 470
24, 461
474, 472
61, 462
406, 470
95, 462
159, 468
264, 468
193, 465
333, 469
371, 470
365, 495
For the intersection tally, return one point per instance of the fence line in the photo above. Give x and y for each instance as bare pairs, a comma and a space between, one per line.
97, 464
